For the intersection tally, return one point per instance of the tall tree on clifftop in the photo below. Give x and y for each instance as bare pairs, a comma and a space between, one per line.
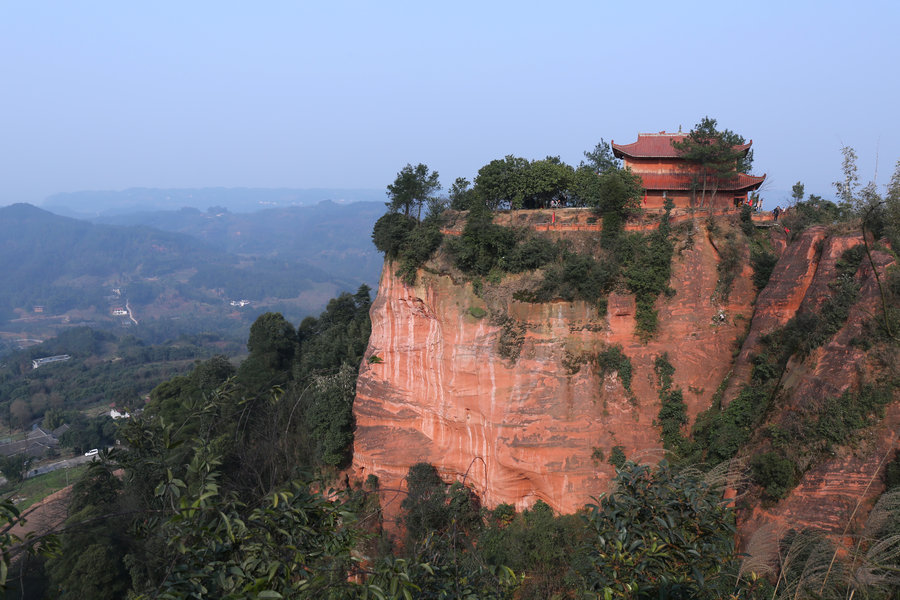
797, 192
601, 158
715, 156
411, 189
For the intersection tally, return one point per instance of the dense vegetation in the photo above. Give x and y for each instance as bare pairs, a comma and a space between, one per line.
219, 453
487, 251
104, 368
659, 533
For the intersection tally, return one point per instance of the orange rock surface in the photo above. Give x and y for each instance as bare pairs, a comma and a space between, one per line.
527, 429
542, 425
841, 486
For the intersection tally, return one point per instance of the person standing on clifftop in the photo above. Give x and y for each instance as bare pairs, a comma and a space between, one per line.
775, 212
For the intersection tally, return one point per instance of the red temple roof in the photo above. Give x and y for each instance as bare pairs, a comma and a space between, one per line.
683, 181
656, 145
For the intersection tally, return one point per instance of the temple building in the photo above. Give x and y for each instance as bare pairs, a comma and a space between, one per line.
667, 175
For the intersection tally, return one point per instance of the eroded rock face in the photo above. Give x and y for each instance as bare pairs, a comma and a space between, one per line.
541, 426
534, 427
840, 486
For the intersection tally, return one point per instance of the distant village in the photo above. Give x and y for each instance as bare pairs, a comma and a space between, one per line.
40, 442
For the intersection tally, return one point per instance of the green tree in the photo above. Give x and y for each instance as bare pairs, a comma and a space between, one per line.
586, 186
536, 543
482, 245
846, 188
14, 467
390, 233
93, 541
212, 373
293, 543
601, 158
501, 183
660, 534
621, 191
408, 240
716, 156
797, 192
425, 504
461, 194
86, 433
273, 347
544, 181
411, 189
330, 415
338, 336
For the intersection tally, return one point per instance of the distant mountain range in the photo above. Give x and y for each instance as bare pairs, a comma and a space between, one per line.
187, 264
333, 237
103, 203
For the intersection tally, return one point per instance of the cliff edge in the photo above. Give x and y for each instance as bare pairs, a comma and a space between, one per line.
508, 396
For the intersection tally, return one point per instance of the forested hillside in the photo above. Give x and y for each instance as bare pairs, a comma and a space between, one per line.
103, 368
61, 271
333, 237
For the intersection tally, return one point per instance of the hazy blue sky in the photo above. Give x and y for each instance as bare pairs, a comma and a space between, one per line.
110, 95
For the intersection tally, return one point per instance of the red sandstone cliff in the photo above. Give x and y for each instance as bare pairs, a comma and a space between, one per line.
527, 429
833, 490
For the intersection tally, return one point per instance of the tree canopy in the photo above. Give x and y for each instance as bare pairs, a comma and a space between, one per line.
412, 188
717, 154
601, 158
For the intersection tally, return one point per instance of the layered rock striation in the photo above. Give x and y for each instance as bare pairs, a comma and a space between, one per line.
506, 395
840, 481
539, 426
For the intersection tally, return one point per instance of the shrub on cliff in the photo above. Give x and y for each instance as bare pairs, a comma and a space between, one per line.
814, 211
389, 233
672, 411
729, 264
647, 270
775, 473
532, 253
612, 359
719, 434
763, 263
747, 220
575, 277
418, 247
408, 241
482, 245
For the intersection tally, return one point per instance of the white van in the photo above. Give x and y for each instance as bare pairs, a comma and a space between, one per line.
93, 452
